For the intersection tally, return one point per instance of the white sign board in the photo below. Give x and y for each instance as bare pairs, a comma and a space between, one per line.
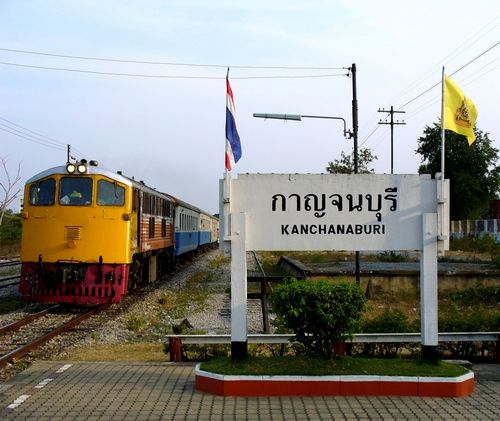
333, 211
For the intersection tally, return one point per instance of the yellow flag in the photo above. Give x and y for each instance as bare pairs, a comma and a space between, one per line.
460, 113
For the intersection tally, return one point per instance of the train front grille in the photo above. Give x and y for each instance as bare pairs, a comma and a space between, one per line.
72, 233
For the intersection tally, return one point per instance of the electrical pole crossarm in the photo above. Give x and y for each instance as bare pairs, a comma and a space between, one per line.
392, 123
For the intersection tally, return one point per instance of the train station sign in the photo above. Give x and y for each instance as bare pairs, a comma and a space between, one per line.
365, 212
333, 212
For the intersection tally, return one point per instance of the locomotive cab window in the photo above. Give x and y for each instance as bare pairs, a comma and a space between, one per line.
43, 192
75, 191
110, 193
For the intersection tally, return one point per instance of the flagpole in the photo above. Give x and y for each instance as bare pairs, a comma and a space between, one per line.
441, 196
224, 245
442, 128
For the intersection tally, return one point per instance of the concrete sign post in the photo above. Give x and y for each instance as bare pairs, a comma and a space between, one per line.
366, 212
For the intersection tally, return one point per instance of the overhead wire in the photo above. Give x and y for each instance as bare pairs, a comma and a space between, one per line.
420, 95
31, 135
49, 142
170, 63
459, 49
138, 75
30, 138
469, 42
453, 73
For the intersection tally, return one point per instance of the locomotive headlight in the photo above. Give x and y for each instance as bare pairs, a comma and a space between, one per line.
82, 168
70, 168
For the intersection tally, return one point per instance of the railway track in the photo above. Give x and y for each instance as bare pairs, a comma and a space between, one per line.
6, 263
18, 338
9, 280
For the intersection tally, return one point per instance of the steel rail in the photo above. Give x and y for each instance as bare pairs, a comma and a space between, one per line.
10, 263
264, 286
10, 283
25, 349
16, 325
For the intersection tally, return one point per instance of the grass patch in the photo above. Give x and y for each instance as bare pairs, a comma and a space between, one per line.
310, 366
135, 322
10, 303
219, 261
140, 352
191, 298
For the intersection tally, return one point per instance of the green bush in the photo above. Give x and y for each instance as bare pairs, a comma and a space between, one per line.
484, 244
477, 295
476, 319
135, 322
10, 230
390, 321
320, 313
392, 257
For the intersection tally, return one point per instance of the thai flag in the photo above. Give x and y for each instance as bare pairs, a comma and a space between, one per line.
233, 145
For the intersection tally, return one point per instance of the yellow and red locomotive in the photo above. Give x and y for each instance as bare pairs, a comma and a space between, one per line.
91, 235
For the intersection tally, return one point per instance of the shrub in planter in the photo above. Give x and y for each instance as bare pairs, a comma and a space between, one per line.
320, 313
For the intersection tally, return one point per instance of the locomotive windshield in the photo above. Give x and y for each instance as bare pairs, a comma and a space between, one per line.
110, 194
75, 191
43, 192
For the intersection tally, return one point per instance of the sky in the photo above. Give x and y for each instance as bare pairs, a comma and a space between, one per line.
164, 123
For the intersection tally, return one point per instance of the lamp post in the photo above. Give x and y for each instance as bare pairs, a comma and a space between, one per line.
347, 133
299, 117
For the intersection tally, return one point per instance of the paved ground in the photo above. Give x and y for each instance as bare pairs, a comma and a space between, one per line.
154, 391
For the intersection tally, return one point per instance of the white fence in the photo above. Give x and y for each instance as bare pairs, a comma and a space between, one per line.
477, 228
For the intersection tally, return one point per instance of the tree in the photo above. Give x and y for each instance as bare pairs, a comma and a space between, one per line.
8, 187
345, 165
472, 170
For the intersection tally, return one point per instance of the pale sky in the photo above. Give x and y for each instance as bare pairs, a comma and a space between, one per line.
169, 132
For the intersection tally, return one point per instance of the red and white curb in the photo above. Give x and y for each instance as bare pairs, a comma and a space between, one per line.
218, 384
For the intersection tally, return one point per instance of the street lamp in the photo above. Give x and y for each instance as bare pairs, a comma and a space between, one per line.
347, 134
298, 117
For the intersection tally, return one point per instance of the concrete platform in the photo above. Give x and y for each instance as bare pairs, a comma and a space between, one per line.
154, 391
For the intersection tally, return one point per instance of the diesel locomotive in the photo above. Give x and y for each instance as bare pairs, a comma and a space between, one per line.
91, 235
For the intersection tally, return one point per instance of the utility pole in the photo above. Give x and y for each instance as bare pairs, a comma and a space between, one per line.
357, 269
392, 123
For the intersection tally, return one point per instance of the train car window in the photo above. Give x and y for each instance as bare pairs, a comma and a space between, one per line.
110, 194
163, 227
151, 227
152, 209
75, 191
43, 193
135, 200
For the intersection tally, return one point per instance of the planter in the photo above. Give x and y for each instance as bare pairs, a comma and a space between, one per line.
218, 384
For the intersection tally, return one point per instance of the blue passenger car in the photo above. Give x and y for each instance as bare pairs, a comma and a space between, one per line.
187, 221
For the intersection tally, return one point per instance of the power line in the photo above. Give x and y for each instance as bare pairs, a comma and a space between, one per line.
451, 74
33, 136
51, 140
95, 72
438, 83
30, 138
459, 49
222, 66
